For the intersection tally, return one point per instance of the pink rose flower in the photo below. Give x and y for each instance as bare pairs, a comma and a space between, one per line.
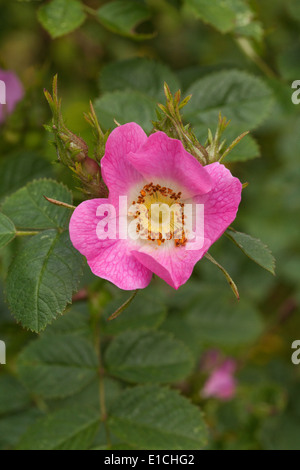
14, 93
221, 384
148, 170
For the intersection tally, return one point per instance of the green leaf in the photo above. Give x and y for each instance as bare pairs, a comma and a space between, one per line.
125, 106
42, 278
252, 29
181, 329
220, 14
294, 9
281, 432
13, 426
154, 418
57, 368
90, 395
244, 99
288, 63
145, 311
254, 249
148, 356
222, 321
28, 208
122, 17
227, 16
18, 169
71, 428
7, 230
229, 279
13, 396
60, 17
247, 148
138, 74
72, 322
289, 270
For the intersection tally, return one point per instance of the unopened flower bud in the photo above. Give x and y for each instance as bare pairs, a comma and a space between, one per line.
76, 145
91, 167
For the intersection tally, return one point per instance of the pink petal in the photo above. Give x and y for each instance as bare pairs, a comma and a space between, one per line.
162, 158
108, 259
173, 265
117, 265
14, 92
221, 203
221, 384
118, 173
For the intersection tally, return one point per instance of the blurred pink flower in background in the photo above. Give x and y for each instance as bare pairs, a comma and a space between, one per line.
221, 383
14, 93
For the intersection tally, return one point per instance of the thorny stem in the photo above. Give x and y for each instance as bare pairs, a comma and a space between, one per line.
203, 158
73, 151
171, 115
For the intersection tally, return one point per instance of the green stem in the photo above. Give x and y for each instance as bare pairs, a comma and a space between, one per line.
247, 48
90, 10
226, 274
26, 234
102, 401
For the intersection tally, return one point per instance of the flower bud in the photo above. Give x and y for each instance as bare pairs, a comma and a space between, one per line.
77, 146
91, 167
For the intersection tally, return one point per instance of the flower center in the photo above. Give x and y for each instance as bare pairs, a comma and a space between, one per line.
159, 215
